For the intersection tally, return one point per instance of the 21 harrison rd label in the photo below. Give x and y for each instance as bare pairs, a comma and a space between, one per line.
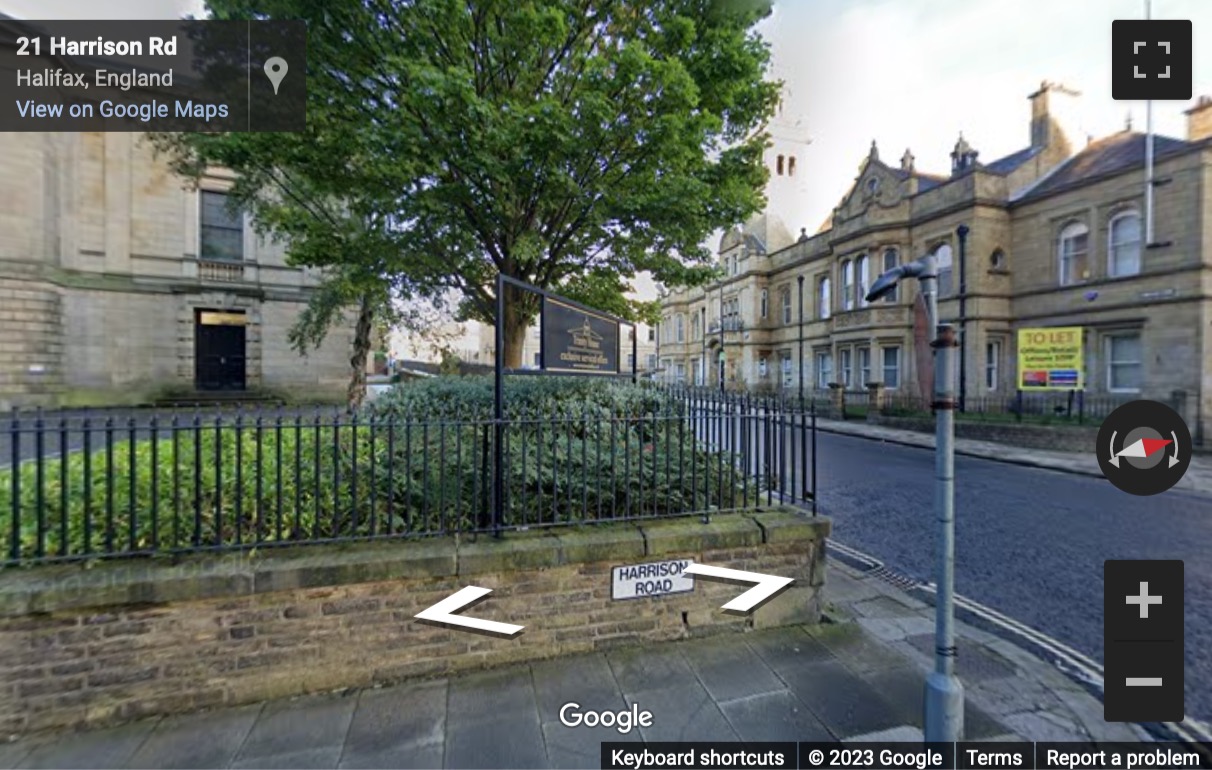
142, 76
906, 756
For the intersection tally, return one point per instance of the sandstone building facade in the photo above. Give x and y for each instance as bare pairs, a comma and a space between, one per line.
119, 281
1053, 235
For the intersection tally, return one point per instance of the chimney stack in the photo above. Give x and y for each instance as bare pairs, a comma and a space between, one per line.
1056, 120
1199, 120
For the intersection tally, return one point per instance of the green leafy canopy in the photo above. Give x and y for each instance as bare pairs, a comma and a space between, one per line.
568, 143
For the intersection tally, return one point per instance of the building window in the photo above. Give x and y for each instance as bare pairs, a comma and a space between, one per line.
892, 367
997, 260
823, 297
762, 366
942, 256
890, 261
780, 165
1125, 374
630, 360
696, 329
221, 229
862, 268
791, 165
785, 362
681, 328
1073, 250
651, 334
697, 364
538, 360
1124, 245
847, 285
786, 300
864, 362
652, 362
765, 302
824, 369
681, 373
993, 359
844, 365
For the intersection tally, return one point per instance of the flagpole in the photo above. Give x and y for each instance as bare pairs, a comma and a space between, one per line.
1148, 153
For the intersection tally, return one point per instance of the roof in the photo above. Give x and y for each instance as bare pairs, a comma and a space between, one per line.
1003, 166
924, 181
1104, 157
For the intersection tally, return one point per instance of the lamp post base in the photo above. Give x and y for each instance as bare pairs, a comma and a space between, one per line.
944, 708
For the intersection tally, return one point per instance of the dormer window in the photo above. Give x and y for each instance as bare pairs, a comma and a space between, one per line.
873, 186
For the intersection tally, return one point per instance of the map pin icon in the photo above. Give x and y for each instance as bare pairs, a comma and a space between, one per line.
275, 70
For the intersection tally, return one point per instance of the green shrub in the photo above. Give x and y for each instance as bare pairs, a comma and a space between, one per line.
418, 460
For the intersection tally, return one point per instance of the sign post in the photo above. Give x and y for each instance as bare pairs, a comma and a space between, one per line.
573, 340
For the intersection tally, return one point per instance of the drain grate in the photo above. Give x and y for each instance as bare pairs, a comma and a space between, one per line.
893, 578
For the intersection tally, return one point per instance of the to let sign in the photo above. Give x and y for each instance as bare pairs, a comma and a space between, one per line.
578, 341
1051, 359
654, 579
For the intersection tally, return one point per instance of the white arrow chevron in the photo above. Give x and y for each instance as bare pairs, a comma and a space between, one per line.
442, 612
767, 585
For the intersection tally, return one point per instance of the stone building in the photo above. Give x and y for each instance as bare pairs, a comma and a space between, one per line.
119, 282
1055, 236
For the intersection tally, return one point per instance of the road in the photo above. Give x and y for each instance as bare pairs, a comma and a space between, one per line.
1030, 542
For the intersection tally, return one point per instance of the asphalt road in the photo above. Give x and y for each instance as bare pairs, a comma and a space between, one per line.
1030, 542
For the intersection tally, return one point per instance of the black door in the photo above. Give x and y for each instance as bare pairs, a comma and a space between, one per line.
219, 351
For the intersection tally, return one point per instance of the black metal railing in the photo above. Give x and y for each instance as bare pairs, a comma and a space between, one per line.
86, 485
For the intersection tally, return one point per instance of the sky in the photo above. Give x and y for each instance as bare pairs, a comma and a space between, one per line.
905, 73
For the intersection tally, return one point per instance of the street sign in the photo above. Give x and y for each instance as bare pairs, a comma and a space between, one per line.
578, 341
654, 579
1051, 359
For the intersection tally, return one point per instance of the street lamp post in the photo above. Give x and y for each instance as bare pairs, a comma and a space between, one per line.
944, 695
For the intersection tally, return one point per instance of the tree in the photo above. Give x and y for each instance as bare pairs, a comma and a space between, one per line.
569, 144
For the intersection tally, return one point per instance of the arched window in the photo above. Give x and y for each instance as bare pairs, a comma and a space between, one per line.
1124, 244
890, 261
1073, 249
780, 165
942, 256
791, 165
823, 297
847, 285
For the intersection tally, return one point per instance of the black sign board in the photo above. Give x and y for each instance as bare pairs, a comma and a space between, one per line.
578, 341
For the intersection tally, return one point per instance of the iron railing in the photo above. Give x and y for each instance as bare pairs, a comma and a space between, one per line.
87, 485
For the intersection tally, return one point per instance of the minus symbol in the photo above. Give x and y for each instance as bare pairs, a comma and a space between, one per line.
1144, 681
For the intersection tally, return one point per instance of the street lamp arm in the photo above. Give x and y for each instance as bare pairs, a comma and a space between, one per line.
924, 268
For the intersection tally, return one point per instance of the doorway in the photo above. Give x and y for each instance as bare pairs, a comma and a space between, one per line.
219, 350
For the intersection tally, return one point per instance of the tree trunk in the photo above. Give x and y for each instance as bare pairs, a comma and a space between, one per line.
361, 351
516, 318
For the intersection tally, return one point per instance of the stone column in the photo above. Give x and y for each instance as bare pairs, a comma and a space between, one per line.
837, 397
875, 401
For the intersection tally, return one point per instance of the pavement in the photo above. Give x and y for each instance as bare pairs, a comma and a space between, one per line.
1198, 476
857, 677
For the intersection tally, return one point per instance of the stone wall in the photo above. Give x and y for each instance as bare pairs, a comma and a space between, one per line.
31, 351
124, 640
1064, 438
